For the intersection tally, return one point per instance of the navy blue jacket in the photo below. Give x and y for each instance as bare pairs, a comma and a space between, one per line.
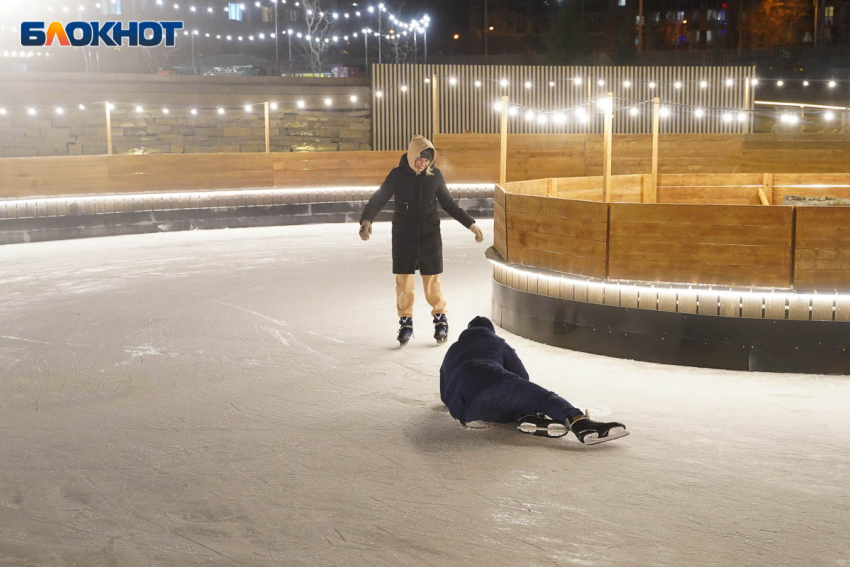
477, 360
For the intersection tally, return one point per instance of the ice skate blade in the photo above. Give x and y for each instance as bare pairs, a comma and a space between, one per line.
554, 429
592, 439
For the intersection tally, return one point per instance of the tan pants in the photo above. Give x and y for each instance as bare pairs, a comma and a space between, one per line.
404, 294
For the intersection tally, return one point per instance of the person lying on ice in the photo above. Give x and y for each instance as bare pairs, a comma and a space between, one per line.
417, 186
483, 379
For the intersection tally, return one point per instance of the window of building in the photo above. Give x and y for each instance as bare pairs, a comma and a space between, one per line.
268, 15
828, 15
721, 15
711, 15
293, 15
656, 17
621, 2
708, 37
234, 11
699, 35
680, 16
111, 7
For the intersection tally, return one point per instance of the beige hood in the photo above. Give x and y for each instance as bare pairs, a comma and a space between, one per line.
417, 144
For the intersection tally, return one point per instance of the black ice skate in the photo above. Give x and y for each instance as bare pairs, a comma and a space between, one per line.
541, 425
441, 328
592, 432
405, 330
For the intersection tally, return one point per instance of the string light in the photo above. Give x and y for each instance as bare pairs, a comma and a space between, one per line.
832, 84
577, 81
165, 111
31, 111
703, 84
559, 118
2, 112
729, 82
453, 81
742, 116
528, 84
600, 82
503, 82
754, 82
664, 112
699, 113
828, 116
82, 107
497, 106
247, 108
328, 102
353, 98
805, 83
627, 84
651, 85
529, 115
404, 88
139, 109
633, 111
194, 112
302, 104
677, 85
780, 83
220, 111
477, 84
273, 105
513, 111
551, 83
727, 117
379, 94
60, 111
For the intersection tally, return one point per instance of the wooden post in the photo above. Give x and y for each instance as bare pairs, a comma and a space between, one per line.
503, 153
746, 126
766, 191
843, 120
266, 112
647, 193
435, 100
608, 141
656, 125
107, 106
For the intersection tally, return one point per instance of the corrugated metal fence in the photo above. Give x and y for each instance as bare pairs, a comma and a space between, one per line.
467, 105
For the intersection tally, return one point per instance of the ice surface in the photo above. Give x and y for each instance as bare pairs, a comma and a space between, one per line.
237, 397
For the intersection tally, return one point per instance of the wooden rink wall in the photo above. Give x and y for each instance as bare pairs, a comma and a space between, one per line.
463, 158
689, 240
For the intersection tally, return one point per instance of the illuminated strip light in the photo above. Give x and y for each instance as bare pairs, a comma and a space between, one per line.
45, 201
704, 289
800, 105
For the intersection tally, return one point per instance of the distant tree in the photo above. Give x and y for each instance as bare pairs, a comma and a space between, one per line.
775, 23
319, 30
568, 38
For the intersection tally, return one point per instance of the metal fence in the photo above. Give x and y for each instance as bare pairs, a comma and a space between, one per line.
466, 95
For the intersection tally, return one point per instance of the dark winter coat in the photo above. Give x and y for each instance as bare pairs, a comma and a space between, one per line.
417, 243
478, 359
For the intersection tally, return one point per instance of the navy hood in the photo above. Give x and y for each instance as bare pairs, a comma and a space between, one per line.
482, 322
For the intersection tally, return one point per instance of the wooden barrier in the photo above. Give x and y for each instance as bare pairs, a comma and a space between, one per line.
557, 234
822, 248
708, 244
500, 225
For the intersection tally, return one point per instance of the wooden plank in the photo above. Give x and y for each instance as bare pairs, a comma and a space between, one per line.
766, 194
580, 210
557, 244
558, 262
648, 190
763, 198
720, 215
706, 254
709, 179
750, 276
708, 234
581, 229
791, 179
51, 176
709, 195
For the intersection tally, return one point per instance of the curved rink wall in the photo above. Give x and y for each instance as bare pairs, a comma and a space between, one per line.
60, 218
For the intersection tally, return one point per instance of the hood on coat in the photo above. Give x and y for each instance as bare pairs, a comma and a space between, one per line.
481, 322
417, 144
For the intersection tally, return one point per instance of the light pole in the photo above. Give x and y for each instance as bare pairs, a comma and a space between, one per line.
366, 32
276, 38
380, 38
289, 36
192, 36
485, 27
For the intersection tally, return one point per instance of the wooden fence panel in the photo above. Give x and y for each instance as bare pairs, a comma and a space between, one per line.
709, 244
822, 249
48, 176
557, 234
500, 225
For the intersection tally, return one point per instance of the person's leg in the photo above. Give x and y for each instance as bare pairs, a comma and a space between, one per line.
404, 294
510, 397
434, 294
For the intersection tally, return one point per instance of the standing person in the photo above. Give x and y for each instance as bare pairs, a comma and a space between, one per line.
417, 186
483, 379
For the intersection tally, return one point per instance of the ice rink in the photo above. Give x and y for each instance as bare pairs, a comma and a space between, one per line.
237, 397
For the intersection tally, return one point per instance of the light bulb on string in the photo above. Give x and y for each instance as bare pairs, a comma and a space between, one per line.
353, 98
427, 80
542, 119
559, 118
832, 84
110, 106
379, 94
651, 85
273, 105
3, 112
742, 116
404, 88
165, 111
780, 83
754, 82
664, 112
581, 114
577, 81
247, 108
703, 84
627, 84
729, 82
328, 102
600, 82
677, 85
727, 117
497, 106
699, 113
302, 104
528, 84
805, 83
513, 111
633, 111
551, 83
453, 81
477, 84
60, 111
828, 116
220, 111
503, 83
82, 107
139, 109
529, 115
